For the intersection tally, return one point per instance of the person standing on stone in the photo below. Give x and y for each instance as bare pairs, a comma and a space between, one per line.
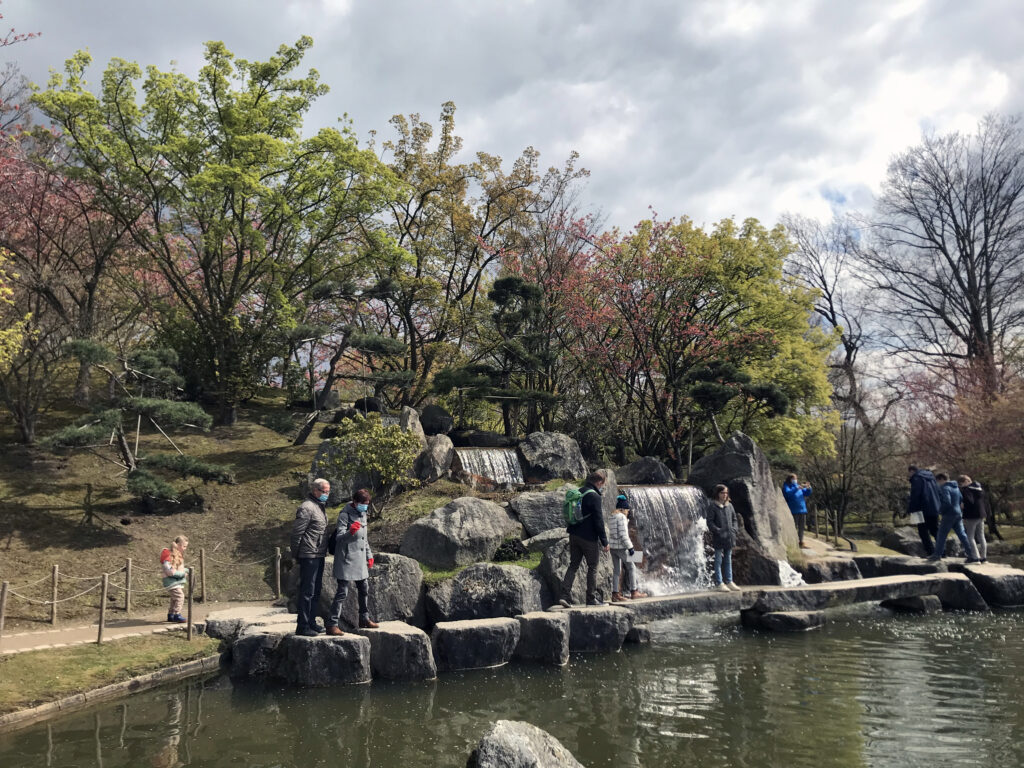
587, 539
796, 494
309, 548
924, 505
951, 519
724, 526
975, 512
352, 561
622, 552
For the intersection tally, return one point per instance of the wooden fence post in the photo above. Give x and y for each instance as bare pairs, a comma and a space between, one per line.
3, 605
128, 585
190, 585
103, 608
202, 574
53, 595
277, 571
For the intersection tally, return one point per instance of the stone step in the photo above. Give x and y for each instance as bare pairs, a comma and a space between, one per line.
399, 651
598, 628
543, 637
474, 643
1001, 585
647, 609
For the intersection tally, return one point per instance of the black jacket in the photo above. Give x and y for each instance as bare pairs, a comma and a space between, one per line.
924, 494
591, 527
724, 524
975, 503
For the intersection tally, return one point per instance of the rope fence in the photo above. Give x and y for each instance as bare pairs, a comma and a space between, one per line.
104, 583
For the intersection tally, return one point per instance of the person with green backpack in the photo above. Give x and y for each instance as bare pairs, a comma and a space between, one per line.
584, 520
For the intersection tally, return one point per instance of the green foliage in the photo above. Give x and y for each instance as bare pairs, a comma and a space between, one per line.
147, 486
168, 413
189, 466
89, 351
88, 430
365, 447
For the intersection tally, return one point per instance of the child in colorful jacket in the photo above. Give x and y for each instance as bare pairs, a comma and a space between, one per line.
172, 562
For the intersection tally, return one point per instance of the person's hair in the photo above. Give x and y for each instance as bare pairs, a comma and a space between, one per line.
595, 477
719, 488
912, 468
178, 559
964, 479
941, 476
320, 484
362, 496
791, 476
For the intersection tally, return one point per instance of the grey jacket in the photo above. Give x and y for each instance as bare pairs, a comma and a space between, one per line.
309, 531
352, 549
724, 525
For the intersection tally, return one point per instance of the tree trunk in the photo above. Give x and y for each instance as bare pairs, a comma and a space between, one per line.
82, 384
307, 428
718, 432
227, 414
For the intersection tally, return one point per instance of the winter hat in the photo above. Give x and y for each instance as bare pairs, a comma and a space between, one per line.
621, 502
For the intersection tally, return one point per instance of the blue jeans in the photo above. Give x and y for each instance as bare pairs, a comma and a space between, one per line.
311, 573
723, 565
949, 523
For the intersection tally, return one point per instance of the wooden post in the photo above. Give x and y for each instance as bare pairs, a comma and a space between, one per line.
3, 605
103, 608
53, 595
202, 574
128, 585
277, 571
191, 582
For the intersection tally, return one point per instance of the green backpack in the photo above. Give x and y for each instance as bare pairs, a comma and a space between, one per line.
572, 507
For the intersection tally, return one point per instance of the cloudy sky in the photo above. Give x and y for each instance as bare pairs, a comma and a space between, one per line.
707, 108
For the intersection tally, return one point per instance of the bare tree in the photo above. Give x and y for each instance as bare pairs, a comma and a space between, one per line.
946, 259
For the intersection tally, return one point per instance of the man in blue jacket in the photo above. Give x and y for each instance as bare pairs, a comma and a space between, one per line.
952, 519
924, 505
796, 494
583, 541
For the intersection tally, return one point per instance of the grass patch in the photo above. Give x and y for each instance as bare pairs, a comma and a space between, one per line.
554, 485
36, 677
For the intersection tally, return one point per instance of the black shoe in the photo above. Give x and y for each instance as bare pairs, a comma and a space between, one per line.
307, 632
597, 602
319, 628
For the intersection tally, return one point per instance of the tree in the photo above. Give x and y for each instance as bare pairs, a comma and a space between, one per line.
14, 36
239, 214
365, 450
10, 332
946, 264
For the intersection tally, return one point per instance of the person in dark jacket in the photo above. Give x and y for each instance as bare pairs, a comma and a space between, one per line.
587, 539
975, 512
923, 506
951, 519
309, 548
724, 525
352, 561
796, 494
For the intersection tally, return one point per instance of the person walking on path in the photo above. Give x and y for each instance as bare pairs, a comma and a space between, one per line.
725, 528
975, 512
923, 505
796, 494
622, 553
951, 519
309, 548
352, 561
172, 563
587, 538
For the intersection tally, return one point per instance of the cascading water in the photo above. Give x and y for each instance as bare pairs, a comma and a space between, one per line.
499, 467
671, 525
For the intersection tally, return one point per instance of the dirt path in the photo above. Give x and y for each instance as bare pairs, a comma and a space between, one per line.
148, 623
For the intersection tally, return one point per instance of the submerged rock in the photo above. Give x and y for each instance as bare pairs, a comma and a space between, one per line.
467, 530
791, 621
918, 604
514, 744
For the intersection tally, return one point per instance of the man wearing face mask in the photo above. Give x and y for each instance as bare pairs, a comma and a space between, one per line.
309, 548
352, 561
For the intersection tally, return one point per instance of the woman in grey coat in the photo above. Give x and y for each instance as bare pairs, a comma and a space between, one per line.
352, 560
724, 526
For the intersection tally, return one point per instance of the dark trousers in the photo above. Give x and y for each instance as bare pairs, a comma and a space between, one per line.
799, 520
339, 599
581, 549
927, 529
311, 573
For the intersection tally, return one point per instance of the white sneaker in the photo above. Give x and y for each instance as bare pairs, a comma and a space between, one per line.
732, 585
722, 588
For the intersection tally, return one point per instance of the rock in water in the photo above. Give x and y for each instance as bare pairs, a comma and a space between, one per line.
465, 531
514, 744
551, 455
598, 628
320, 662
400, 652
487, 591
648, 470
544, 637
435, 460
474, 644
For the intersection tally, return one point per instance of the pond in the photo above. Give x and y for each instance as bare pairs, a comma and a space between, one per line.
868, 690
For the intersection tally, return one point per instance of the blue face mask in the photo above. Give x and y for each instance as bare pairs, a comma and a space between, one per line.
362, 507
324, 497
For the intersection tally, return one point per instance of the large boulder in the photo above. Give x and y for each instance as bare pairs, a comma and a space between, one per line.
400, 652
1001, 586
550, 456
474, 644
540, 511
542, 541
818, 570
514, 744
906, 540
323, 466
487, 591
324, 661
480, 438
254, 651
554, 563
648, 470
544, 637
435, 460
409, 420
328, 401
436, 420
465, 531
742, 466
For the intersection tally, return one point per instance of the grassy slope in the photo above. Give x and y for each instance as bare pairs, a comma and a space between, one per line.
28, 679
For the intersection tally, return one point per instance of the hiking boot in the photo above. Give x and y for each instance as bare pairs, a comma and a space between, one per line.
177, 618
318, 628
732, 585
334, 631
307, 632
596, 602
617, 597
636, 594
367, 624
722, 588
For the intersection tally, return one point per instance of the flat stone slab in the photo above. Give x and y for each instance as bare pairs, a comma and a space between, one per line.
954, 590
323, 661
399, 651
598, 628
822, 569
921, 604
791, 621
647, 609
225, 625
910, 566
543, 637
1000, 585
474, 643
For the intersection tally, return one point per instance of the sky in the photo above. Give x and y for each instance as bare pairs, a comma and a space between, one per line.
703, 108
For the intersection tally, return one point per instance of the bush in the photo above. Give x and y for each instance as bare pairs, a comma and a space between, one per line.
367, 448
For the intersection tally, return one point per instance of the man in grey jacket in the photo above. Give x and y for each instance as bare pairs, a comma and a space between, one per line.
352, 561
309, 548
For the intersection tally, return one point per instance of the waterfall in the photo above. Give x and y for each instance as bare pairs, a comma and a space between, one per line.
671, 525
498, 467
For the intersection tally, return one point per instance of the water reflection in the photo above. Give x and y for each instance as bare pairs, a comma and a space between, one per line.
937, 691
